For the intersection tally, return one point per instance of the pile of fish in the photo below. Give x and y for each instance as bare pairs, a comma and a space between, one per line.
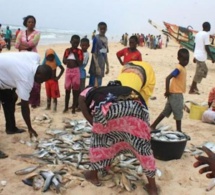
166, 135
197, 150
69, 148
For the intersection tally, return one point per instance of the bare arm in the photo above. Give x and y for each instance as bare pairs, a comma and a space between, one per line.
168, 78
107, 65
120, 60
61, 72
64, 61
26, 116
79, 62
85, 110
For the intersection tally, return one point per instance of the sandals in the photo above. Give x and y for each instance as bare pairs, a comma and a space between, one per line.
195, 92
3, 155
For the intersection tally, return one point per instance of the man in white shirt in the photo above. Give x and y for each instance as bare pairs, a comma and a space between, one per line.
201, 52
18, 71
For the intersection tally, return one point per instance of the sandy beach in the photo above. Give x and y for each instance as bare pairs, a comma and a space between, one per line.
178, 176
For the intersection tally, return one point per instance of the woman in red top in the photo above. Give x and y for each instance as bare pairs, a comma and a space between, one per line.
131, 53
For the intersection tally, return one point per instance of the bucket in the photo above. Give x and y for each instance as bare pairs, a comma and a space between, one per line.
196, 111
163, 150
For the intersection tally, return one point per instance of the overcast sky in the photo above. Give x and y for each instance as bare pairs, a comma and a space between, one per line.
120, 15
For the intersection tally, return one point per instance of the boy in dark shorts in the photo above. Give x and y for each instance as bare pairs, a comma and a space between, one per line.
174, 91
52, 88
99, 56
73, 59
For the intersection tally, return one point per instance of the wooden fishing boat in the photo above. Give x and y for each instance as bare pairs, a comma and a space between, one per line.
184, 36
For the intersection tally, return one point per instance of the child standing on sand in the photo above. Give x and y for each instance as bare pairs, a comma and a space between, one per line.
73, 59
85, 43
52, 89
99, 56
174, 91
131, 53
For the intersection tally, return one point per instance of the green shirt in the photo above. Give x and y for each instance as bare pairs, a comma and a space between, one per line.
8, 34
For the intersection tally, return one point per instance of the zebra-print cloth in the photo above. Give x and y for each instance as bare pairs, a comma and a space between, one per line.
121, 109
101, 142
142, 146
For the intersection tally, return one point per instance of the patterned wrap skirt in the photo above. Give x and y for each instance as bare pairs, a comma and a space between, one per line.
119, 128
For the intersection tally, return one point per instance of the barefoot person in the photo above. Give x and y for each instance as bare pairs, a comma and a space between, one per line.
99, 56
202, 42
174, 91
52, 88
18, 71
120, 124
73, 59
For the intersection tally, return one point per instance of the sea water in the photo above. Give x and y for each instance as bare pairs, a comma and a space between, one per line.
57, 36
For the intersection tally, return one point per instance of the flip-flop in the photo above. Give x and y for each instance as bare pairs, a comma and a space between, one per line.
194, 93
3, 155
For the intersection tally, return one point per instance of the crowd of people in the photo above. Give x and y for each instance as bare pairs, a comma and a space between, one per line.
121, 103
150, 41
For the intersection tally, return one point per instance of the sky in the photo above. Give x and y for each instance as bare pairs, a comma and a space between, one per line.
121, 16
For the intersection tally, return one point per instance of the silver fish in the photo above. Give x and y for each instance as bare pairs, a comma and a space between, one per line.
26, 170
56, 184
79, 159
73, 123
79, 127
77, 146
48, 176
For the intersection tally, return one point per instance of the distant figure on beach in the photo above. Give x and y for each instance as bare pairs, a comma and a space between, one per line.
99, 56
73, 59
148, 40
201, 50
18, 71
122, 39
93, 34
130, 53
167, 40
120, 125
8, 37
17, 32
2, 41
85, 43
141, 40
125, 39
52, 88
160, 42
27, 40
174, 91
